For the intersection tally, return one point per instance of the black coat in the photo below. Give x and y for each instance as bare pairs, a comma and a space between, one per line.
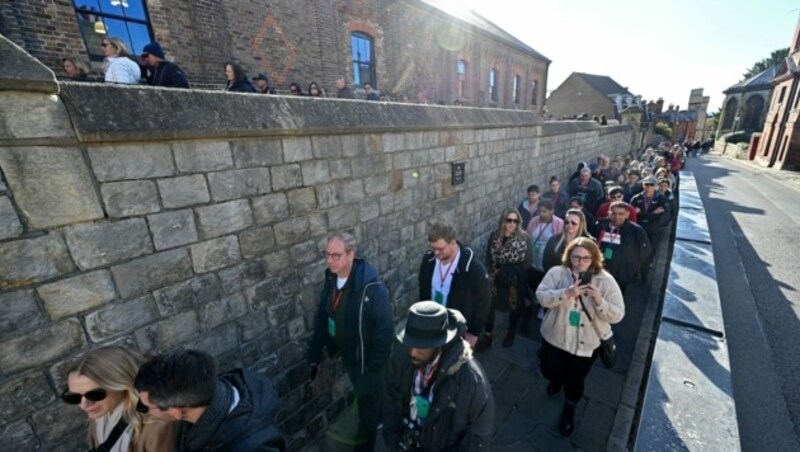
624, 261
462, 411
249, 427
368, 322
240, 86
167, 74
647, 218
470, 291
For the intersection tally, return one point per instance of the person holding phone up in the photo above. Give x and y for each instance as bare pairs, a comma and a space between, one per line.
570, 291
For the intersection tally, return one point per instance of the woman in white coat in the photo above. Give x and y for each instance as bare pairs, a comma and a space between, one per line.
117, 66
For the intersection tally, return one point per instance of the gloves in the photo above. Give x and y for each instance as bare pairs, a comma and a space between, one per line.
313, 373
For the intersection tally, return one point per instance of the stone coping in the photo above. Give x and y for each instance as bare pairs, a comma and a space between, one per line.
20, 71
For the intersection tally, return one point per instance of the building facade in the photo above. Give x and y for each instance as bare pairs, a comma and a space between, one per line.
745, 105
594, 95
779, 145
426, 51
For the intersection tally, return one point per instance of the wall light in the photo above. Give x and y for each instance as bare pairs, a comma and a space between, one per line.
100, 27
123, 3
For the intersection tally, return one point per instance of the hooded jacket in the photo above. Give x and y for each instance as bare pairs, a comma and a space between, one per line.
249, 427
367, 318
462, 410
470, 290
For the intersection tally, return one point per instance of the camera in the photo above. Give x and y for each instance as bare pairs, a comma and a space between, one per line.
409, 440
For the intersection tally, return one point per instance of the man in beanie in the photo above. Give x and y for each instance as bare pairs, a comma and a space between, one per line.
437, 396
161, 72
262, 84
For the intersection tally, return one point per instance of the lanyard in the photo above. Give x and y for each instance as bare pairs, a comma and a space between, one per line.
541, 231
337, 298
424, 378
647, 202
443, 276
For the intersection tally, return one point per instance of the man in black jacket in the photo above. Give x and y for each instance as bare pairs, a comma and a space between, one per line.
354, 318
437, 395
624, 245
232, 412
161, 72
451, 275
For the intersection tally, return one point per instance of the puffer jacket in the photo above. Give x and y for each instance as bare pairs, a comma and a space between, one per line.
462, 412
579, 340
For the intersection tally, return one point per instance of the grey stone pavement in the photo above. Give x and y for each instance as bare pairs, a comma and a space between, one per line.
526, 417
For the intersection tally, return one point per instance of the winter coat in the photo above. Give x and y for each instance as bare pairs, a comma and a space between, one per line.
648, 219
368, 322
579, 340
122, 70
624, 260
592, 194
527, 212
462, 411
167, 74
505, 275
240, 86
560, 202
249, 427
156, 436
470, 290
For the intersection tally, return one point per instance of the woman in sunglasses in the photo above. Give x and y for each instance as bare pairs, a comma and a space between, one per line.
573, 293
101, 384
117, 65
508, 256
574, 227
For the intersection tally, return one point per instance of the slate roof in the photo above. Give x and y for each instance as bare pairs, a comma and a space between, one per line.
460, 11
756, 82
603, 83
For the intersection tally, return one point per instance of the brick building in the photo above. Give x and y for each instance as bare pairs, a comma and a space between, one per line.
422, 50
594, 95
779, 145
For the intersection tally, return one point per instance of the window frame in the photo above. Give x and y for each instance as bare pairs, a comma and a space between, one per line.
461, 78
516, 88
534, 92
493, 77
370, 63
100, 16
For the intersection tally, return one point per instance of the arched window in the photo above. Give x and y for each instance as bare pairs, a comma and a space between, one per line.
124, 19
730, 114
363, 60
753, 108
493, 85
461, 71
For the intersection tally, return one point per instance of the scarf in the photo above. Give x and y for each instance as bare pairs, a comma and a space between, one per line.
197, 436
104, 426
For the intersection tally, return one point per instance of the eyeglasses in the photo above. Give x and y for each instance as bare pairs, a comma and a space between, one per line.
74, 398
512, 220
333, 256
576, 258
145, 55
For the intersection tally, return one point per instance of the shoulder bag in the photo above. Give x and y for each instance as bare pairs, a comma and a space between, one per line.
607, 349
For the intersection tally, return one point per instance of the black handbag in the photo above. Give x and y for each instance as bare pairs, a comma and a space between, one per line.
607, 349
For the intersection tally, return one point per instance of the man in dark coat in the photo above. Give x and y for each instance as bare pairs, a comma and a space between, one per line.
624, 245
437, 395
342, 90
451, 275
161, 72
232, 412
588, 188
651, 208
354, 319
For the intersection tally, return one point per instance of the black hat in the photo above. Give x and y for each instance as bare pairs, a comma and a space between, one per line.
153, 49
428, 326
261, 77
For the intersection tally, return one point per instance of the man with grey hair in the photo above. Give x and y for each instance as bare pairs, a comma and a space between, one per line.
354, 318
589, 189
452, 275
342, 90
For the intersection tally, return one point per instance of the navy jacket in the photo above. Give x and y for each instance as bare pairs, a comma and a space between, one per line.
167, 74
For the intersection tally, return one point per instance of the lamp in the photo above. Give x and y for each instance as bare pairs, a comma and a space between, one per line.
100, 27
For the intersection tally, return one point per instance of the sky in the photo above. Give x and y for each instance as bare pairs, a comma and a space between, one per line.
654, 48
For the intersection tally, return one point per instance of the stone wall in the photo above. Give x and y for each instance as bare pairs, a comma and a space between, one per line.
160, 218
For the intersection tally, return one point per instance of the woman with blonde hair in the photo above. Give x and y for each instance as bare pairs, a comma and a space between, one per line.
574, 227
582, 302
509, 254
101, 384
117, 65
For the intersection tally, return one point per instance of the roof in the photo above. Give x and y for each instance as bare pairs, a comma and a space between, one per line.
679, 116
603, 83
756, 82
461, 12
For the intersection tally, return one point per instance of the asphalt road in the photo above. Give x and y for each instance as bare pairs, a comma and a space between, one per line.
754, 219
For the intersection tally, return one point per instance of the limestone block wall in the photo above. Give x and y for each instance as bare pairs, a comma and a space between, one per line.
160, 218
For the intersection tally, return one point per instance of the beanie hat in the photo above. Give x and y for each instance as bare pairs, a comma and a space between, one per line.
154, 49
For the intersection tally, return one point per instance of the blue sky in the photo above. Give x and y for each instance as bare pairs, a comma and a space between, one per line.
655, 48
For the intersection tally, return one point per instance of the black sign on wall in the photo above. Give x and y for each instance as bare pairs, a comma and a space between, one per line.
459, 173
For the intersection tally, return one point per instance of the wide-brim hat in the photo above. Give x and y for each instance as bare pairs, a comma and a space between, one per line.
427, 326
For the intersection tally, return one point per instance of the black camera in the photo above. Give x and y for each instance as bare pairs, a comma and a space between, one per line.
409, 440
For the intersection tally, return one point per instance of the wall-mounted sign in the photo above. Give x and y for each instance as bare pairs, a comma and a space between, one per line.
459, 173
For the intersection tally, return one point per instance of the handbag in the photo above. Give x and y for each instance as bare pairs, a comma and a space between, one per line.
607, 349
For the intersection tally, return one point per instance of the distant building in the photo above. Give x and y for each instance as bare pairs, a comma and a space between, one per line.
744, 107
779, 145
594, 95
426, 51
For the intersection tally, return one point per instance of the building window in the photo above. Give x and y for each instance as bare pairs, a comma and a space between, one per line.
783, 94
516, 89
124, 19
534, 93
461, 70
493, 85
363, 60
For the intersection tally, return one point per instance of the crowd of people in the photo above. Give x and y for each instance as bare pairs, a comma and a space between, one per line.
151, 67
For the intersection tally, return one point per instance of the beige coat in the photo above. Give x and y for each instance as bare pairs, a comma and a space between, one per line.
581, 340
156, 436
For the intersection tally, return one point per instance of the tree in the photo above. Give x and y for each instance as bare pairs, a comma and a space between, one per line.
663, 129
777, 56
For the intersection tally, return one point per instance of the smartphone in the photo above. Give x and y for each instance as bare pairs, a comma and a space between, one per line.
584, 278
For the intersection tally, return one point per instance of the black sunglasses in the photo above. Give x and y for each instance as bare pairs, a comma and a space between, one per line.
512, 220
72, 398
141, 407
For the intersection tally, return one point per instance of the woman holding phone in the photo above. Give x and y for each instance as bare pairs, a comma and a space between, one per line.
574, 292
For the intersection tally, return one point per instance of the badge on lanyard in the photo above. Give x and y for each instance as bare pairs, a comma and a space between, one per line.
438, 297
537, 248
574, 318
423, 406
608, 253
331, 327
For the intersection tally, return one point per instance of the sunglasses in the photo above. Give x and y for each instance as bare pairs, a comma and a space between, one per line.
573, 223
512, 220
145, 55
73, 398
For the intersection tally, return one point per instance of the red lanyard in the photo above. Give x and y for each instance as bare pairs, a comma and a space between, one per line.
426, 377
442, 277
